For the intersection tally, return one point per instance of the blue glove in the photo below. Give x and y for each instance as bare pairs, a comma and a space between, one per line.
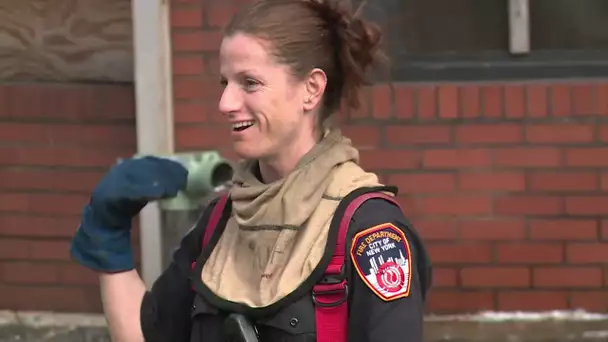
103, 239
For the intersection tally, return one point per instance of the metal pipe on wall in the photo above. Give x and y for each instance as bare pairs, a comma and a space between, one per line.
154, 112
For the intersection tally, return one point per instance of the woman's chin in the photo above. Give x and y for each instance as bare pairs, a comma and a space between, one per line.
247, 150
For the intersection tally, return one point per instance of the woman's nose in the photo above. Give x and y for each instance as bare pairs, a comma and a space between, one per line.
231, 100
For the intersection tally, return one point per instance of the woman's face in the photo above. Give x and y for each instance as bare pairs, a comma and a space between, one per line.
266, 106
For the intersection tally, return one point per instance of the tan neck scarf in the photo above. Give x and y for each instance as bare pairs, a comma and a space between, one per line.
278, 231
289, 201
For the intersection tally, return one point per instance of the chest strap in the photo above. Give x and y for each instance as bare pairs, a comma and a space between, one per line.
330, 295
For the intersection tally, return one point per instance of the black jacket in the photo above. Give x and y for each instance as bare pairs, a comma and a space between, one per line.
173, 311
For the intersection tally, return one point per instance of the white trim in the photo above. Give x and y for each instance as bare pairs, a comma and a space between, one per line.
154, 113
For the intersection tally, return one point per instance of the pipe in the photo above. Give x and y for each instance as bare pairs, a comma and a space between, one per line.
154, 112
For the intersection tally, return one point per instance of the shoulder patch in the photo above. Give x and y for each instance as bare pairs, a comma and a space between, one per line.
382, 257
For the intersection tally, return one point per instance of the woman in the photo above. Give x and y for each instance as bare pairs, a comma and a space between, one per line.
286, 66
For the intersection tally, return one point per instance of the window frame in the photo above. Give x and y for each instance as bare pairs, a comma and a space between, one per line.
517, 63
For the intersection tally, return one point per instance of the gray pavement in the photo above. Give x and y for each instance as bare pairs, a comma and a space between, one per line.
49, 327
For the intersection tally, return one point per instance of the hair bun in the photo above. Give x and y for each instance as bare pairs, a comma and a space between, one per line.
357, 43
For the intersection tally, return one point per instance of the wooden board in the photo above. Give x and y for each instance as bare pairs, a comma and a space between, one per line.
66, 40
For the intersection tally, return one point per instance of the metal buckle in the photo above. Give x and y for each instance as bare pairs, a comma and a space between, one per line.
331, 304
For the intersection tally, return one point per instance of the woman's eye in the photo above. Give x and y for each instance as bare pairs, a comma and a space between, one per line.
251, 85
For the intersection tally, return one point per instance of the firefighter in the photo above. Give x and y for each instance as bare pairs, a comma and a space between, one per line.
306, 245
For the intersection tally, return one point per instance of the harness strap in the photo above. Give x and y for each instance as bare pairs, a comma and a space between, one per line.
331, 297
214, 219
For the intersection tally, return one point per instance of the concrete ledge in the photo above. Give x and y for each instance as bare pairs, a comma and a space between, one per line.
557, 326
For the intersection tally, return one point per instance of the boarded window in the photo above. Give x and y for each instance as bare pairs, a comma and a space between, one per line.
66, 40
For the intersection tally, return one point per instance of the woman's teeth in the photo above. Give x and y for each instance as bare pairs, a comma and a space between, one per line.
242, 125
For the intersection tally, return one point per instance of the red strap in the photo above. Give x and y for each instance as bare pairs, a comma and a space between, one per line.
214, 219
331, 305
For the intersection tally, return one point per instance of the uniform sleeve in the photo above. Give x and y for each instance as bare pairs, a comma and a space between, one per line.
389, 275
166, 307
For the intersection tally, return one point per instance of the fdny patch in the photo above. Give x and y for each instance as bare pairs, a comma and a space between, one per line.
381, 255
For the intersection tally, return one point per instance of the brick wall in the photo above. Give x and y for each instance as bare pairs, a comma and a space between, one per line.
55, 143
506, 182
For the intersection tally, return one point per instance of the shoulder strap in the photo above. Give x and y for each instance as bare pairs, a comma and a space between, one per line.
214, 219
330, 297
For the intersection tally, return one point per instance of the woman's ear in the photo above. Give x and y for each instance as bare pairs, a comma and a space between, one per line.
315, 84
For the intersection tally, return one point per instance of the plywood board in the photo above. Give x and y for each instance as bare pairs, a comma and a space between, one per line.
66, 40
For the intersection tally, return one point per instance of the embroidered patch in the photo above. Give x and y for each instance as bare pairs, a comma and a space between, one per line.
381, 255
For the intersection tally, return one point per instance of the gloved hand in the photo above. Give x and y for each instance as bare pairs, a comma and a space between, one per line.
103, 239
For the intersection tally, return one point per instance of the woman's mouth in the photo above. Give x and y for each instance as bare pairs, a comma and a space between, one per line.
242, 125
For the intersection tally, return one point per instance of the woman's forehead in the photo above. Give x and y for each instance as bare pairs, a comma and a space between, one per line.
243, 52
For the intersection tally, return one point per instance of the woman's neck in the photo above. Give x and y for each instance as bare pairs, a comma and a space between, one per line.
282, 164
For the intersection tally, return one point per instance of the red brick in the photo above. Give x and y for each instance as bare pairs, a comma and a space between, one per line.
417, 134
602, 132
423, 183
363, 136
63, 156
528, 157
29, 273
563, 229
515, 105
191, 136
604, 230
37, 226
186, 17
495, 277
567, 277
537, 100
427, 102
587, 253
404, 101
220, 13
602, 98
191, 88
560, 133
587, 205
529, 253
188, 65
465, 253
590, 156
390, 159
74, 274
382, 102
455, 205
196, 41
444, 277
489, 134
584, 99
494, 229
563, 181
43, 179
532, 300
44, 203
446, 302
561, 103
454, 158
12, 249
595, 301
470, 101
492, 181
435, 229
365, 106
527, 205
190, 112
448, 101
492, 101
50, 298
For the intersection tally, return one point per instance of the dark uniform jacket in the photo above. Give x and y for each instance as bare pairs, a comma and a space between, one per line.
173, 311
